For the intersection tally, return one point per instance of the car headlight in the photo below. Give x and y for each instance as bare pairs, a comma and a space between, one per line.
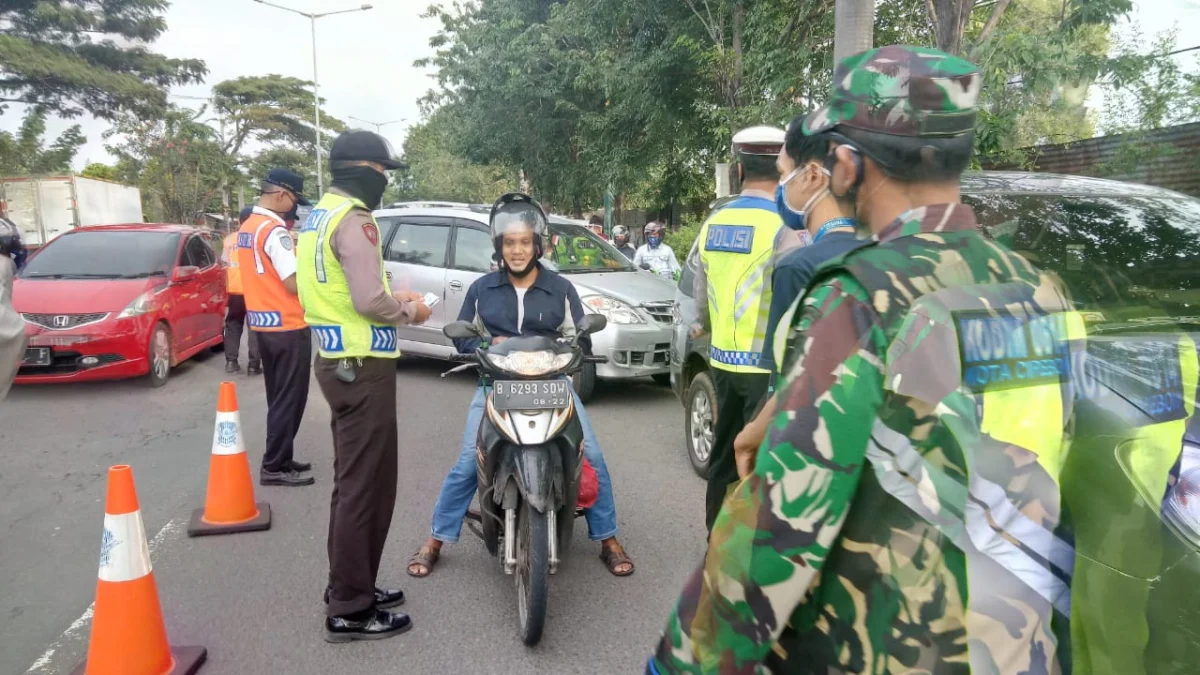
140, 305
531, 363
612, 309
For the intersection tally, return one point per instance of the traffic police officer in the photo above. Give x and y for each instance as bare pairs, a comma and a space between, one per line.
267, 262
737, 251
235, 314
349, 304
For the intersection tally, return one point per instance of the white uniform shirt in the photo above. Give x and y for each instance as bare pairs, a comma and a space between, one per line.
278, 244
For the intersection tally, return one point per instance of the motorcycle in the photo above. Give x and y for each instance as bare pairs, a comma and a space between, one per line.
529, 457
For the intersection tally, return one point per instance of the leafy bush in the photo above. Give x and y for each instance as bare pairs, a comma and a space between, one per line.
681, 239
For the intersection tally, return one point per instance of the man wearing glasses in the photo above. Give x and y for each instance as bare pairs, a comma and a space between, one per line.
267, 261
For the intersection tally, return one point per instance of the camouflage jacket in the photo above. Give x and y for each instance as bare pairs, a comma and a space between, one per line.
846, 551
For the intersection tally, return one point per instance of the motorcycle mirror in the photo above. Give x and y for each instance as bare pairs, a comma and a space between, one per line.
592, 323
646, 266
458, 330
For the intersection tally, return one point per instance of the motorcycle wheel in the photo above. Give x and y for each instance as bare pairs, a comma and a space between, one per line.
533, 571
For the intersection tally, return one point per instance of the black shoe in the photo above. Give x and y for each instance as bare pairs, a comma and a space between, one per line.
300, 466
379, 625
253, 370
385, 598
286, 478
232, 366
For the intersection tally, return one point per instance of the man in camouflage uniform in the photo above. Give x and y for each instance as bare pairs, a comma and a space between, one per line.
879, 483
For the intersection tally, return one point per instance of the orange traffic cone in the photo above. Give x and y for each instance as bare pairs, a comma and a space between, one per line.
229, 505
128, 635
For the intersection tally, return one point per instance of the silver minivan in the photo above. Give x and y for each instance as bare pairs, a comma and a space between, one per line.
442, 248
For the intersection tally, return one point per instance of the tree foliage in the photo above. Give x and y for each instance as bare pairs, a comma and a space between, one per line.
25, 153
435, 172
272, 110
71, 57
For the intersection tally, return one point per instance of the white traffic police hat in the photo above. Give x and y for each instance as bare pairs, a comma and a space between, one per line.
761, 140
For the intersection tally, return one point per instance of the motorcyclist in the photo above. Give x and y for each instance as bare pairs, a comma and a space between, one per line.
621, 241
17, 251
656, 256
12, 326
521, 298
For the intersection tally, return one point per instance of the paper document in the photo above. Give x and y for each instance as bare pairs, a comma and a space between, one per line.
431, 299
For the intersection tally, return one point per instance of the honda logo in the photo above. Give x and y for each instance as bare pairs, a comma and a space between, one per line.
62, 321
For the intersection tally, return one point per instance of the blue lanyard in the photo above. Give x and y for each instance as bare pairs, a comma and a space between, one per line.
832, 225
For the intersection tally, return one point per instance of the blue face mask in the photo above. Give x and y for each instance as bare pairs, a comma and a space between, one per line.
653, 241
793, 219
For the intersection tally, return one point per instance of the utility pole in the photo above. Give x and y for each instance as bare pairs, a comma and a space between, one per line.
853, 28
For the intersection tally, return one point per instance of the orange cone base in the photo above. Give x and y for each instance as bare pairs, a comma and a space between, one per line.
198, 527
187, 661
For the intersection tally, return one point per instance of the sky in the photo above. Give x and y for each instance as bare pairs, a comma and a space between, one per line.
365, 58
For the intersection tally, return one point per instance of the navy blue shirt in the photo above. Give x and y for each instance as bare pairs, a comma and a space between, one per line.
552, 307
793, 272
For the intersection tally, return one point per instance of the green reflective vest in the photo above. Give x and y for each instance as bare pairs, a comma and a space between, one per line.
341, 331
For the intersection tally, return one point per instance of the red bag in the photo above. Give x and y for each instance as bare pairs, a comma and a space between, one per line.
589, 486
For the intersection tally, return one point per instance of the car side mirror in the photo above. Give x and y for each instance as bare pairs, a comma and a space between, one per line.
459, 330
184, 273
592, 323
646, 266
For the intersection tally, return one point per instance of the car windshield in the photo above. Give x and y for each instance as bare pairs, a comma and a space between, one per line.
574, 249
100, 254
1130, 260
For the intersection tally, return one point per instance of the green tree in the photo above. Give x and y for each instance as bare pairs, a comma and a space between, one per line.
435, 173
25, 153
88, 56
272, 110
177, 161
100, 171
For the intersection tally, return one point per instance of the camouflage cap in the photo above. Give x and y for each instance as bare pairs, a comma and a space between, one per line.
903, 91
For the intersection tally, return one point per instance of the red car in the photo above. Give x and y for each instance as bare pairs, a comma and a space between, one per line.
117, 301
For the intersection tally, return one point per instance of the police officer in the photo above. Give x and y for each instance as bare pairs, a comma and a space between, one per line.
235, 312
12, 326
349, 304
267, 262
737, 249
880, 503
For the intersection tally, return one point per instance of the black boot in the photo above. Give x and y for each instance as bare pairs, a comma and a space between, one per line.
232, 366
373, 624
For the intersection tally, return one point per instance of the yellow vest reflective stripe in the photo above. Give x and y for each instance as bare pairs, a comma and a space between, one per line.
328, 309
737, 246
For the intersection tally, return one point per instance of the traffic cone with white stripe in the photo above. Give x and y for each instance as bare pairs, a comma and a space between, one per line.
128, 634
229, 505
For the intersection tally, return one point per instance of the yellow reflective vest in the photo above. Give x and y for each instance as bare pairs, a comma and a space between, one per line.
737, 246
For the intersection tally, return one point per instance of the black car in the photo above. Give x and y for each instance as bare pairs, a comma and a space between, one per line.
1127, 253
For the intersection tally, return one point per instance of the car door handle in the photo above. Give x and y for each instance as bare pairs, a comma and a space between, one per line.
456, 285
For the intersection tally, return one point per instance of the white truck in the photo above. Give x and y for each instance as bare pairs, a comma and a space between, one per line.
46, 207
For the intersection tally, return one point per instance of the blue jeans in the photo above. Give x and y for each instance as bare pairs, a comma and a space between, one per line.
460, 484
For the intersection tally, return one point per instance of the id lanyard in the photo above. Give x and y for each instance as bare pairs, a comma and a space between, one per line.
832, 225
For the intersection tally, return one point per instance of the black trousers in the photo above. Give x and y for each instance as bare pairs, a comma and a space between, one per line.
286, 360
235, 319
365, 446
738, 398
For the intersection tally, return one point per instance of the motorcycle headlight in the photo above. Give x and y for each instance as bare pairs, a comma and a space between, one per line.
531, 363
612, 309
140, 305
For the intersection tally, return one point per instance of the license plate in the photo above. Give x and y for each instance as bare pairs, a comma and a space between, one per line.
530, 394
37, 356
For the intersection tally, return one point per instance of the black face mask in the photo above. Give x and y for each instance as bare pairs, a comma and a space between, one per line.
361, 182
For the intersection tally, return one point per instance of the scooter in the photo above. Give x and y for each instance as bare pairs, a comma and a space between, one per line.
529, 457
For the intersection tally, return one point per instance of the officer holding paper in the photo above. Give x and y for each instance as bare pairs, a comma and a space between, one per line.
353, 313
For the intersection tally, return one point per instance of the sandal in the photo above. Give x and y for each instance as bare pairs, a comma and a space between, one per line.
614, 557
424, 558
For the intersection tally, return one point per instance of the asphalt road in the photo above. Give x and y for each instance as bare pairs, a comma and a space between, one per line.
254, 600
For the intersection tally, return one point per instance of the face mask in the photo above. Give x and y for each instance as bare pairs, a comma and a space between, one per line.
653, 241
361, 182
796, 219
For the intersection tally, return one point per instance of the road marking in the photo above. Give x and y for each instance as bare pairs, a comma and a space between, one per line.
43, 662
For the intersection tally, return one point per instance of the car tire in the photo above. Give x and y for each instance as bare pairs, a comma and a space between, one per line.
662, 379
700, 422
584, 382
159, 355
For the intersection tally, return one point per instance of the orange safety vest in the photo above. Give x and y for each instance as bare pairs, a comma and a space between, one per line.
270, 307
233, 274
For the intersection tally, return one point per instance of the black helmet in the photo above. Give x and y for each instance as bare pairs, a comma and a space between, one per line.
10, 237
517, 212
357, 145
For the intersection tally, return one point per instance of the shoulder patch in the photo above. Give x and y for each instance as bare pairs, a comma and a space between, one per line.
372, 233
286, 241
